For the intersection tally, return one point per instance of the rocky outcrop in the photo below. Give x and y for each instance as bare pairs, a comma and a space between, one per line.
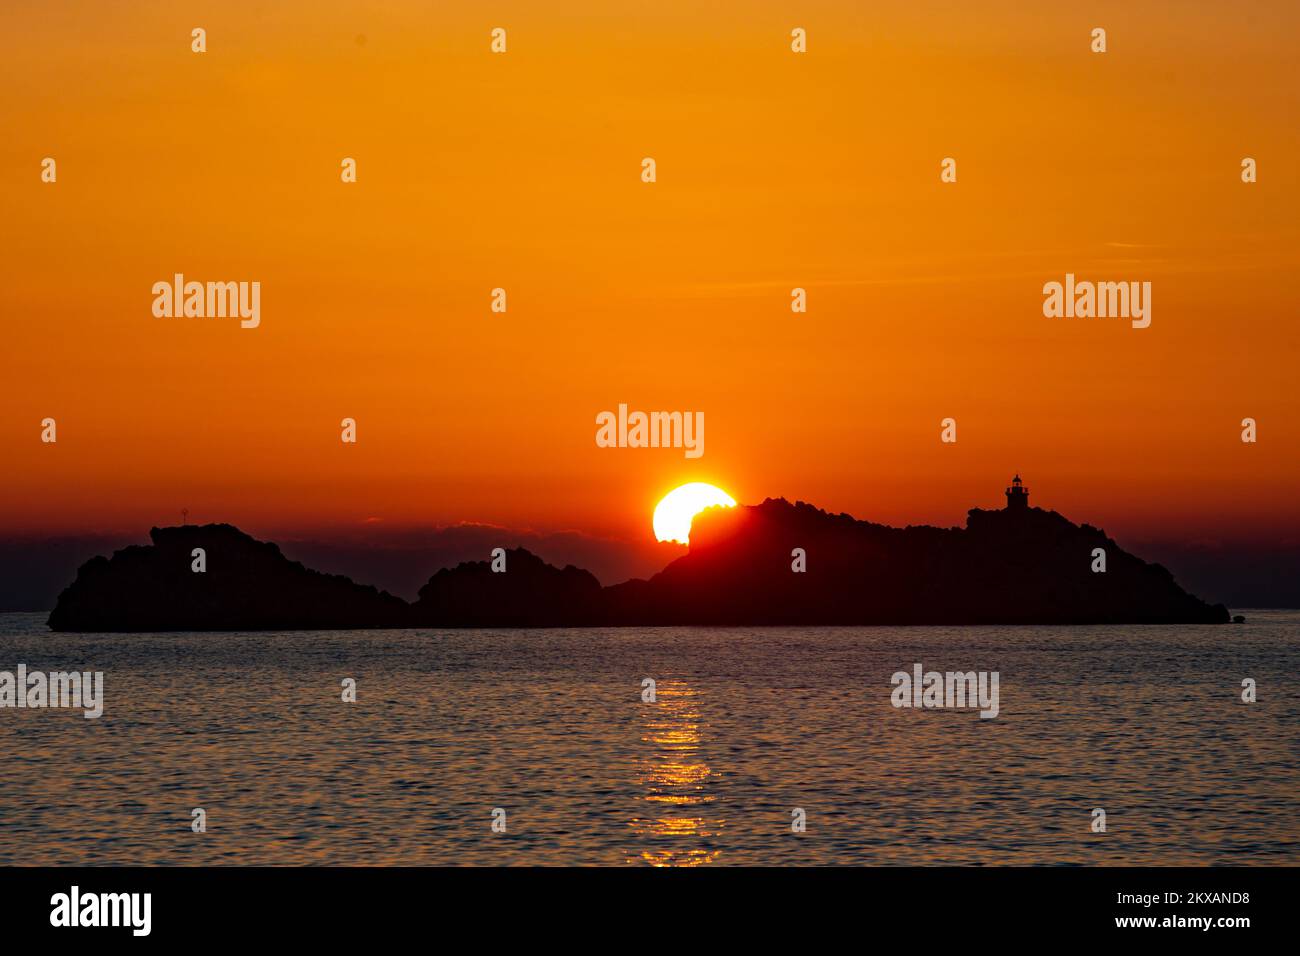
247, 585
1026, 566
527, 593
1013, 566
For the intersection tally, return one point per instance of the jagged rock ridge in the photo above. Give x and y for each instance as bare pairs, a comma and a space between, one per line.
528, 593
1019, 565
1013, 566
248, 585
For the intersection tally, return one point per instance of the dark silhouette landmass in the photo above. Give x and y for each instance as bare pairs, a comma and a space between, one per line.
1018, 565
528, 593
1026, 566
248, 585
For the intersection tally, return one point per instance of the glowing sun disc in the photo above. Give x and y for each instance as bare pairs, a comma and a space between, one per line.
674, 513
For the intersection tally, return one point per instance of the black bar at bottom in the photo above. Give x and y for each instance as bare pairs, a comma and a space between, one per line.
334, 905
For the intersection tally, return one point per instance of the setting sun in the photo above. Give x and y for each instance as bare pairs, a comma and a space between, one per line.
673, 514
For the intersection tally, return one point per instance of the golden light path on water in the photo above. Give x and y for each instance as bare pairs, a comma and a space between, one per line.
675, 779
550, 726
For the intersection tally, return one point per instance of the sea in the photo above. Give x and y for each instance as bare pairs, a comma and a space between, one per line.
752, 746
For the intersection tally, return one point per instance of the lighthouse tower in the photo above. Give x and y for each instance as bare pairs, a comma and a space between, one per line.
1017, 495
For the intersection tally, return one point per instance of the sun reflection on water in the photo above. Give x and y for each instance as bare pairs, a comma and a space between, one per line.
674, 777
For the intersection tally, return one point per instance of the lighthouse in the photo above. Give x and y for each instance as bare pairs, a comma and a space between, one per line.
1017, 495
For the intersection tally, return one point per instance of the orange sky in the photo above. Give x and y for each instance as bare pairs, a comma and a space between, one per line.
521, 170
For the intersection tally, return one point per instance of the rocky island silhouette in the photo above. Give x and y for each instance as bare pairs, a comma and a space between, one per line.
775, 563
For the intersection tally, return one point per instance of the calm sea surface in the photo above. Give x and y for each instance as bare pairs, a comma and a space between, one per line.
1145, 723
